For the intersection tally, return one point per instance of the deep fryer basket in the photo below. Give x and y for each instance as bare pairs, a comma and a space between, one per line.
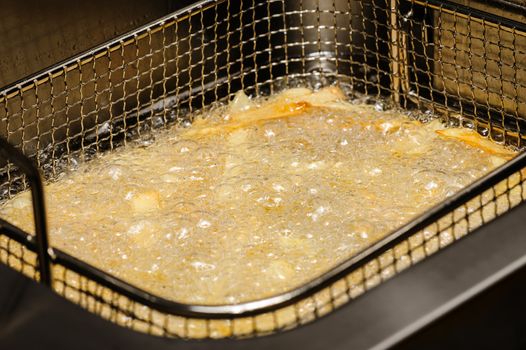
466, 65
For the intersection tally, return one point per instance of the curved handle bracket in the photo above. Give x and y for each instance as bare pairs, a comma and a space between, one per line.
14, 155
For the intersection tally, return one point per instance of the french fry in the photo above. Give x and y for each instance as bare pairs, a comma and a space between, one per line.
472, 138
290, 103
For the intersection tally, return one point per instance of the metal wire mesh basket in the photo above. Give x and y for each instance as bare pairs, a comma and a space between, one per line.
466, 65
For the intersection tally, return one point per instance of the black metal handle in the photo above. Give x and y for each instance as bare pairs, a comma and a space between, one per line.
39, 210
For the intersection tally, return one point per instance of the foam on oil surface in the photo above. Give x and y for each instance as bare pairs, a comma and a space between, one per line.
259, 197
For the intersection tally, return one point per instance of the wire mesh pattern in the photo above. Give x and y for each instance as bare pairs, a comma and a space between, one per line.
465, 65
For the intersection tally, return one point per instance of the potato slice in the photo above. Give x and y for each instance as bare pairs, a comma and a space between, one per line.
146, 201
240, 103
328, 97
435, 125
202, 127
290, 103
474, 139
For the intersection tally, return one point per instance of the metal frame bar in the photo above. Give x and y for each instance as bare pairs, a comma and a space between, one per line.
39, 209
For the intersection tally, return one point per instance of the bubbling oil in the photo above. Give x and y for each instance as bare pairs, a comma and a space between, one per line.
254, 198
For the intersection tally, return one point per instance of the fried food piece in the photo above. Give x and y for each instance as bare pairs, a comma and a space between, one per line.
145, 201
474, 139
203, 127
290, 103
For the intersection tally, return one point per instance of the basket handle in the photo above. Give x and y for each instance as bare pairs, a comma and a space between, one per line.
14, 155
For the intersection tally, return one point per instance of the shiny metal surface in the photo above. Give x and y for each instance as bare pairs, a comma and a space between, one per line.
511, 9
481, 61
